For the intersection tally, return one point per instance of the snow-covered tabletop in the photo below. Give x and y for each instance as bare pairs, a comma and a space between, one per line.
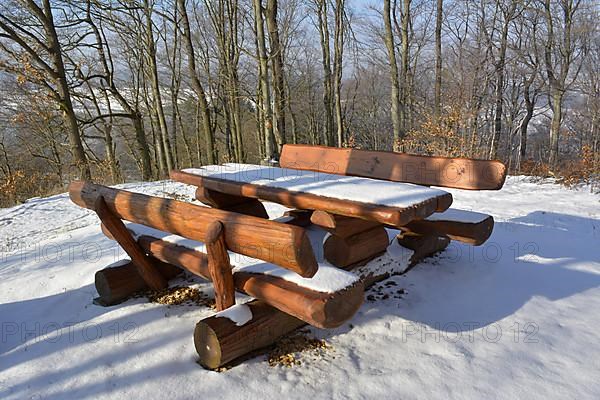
394, 195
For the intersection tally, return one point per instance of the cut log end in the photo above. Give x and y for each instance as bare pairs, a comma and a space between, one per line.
219, 341
343, 252
116, 284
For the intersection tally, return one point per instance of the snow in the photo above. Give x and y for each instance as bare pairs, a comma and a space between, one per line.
328, 278
516, 317
239, 314
363, 190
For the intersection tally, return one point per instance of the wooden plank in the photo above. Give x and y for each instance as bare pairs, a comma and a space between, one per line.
474, 233
323, 310
461, 173
115, 284
119, 232
285, 245
393, 216
343, 252
219, 267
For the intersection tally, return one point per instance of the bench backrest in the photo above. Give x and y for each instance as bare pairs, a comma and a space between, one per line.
285, 245
461, 173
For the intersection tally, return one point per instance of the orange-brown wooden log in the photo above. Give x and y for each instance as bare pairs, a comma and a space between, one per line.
393, 216
219, 340
119, 232
116, 284
242, 205
423, 245
216, 199
285, 245
219, 267
467, 232
298, 217
340, 225
323, 310
461, 173
343, 252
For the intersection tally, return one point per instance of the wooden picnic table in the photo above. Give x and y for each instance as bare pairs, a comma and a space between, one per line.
389, 203
354, 210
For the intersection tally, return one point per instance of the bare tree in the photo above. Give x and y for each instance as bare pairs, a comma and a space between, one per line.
438, 59
562, 54
395, 94
203, 106
37, 55
263, 73
279, 90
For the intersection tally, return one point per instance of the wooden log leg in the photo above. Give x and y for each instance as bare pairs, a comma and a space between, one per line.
222, 201
358, 248
251, 207
298, 217
219, 267
219, 340
119, 232
340, 225
423, 245
115, 284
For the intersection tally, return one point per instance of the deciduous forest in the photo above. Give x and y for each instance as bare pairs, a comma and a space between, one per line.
126, 90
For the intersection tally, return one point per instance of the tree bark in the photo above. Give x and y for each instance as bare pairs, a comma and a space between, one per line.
395, 94
270, 151
338, 54
438, 60
197, 85
279, 98
163, 142
323, 20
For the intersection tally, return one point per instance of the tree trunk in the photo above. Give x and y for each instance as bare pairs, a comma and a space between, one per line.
556, 105
328, 135
163, 141
405, 64
499, 92
338, 53
395, 95
279, 101
66, 105
438, 60
203, 106
270, 152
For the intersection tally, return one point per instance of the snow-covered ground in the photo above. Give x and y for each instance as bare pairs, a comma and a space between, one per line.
514, 318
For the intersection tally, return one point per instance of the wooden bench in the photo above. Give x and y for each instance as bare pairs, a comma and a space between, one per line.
439, 228
163, 235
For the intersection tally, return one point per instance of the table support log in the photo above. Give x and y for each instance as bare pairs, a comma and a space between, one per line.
219, 267
117, 229
423, 245
117, 283
226, 202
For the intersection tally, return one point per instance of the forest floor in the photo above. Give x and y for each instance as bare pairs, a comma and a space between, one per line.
514, 318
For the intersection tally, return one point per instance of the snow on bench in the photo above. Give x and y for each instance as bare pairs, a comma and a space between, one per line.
328, 278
